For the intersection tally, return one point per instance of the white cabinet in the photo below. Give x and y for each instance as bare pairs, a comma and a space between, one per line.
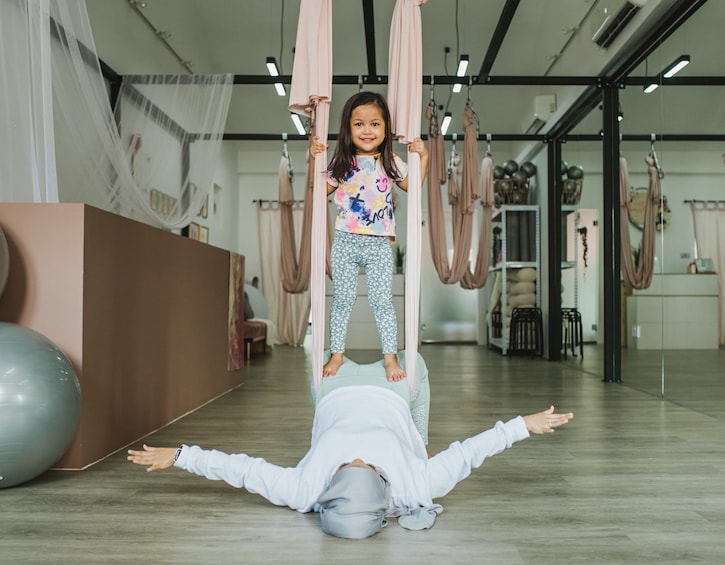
675, 312
516, 265
362, 333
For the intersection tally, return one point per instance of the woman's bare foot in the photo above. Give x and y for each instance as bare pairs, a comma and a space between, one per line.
393, 371
332, 365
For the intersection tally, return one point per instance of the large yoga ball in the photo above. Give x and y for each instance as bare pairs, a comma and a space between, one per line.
40, 404
4, 261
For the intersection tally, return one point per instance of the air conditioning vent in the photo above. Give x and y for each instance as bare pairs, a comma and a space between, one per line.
610, 18
544, 108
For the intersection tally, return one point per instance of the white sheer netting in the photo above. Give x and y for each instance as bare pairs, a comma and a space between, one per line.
153, 160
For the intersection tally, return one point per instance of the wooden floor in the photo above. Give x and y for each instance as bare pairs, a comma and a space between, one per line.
633, 479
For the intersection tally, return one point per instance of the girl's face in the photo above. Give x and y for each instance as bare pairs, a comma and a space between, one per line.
367, 129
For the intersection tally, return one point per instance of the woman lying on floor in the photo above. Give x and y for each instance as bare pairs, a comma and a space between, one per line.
367, 460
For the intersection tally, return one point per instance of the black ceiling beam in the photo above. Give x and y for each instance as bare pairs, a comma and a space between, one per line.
497, 39
369, 19
333, 136
675, 81
510, 80
684, 137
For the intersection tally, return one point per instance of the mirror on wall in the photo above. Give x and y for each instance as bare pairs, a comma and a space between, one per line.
671, 331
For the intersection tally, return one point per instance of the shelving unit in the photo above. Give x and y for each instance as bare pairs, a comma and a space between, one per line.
518, 247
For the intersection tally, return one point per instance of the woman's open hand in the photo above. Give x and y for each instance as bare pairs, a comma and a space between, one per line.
154, 458
545, 422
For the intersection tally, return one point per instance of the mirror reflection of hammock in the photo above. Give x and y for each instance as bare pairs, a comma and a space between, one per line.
638, 275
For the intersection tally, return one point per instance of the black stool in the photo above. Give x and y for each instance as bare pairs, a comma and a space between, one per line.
527, 332
571, 321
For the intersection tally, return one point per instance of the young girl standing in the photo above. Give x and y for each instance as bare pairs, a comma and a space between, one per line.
361, 174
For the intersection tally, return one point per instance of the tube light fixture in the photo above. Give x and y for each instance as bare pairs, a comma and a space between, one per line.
676, 66
651, 87
272, 67
274, 72
461, 72
447, 117
462, 66
298, 124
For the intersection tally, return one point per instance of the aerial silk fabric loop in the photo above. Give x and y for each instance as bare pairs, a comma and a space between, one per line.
479, 276
639, 276
405, 67
310, 94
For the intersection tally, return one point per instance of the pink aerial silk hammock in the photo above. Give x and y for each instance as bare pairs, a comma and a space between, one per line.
405, 71
479, 276
462, 207
310, 95
296, 273
639, 276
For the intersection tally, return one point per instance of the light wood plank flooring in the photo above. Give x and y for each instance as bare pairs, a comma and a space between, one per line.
633, 479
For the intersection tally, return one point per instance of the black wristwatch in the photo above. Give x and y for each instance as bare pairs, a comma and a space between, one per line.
178, 454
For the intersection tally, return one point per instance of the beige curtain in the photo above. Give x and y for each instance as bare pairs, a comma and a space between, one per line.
639, 276
709, 221
289, 312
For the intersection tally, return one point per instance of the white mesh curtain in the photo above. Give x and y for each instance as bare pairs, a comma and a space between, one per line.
61, 142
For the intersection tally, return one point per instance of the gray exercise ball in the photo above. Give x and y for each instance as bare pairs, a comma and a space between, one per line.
40, 404
575, 172
564, 168
528, 168
498, 172
520, 178
510, 167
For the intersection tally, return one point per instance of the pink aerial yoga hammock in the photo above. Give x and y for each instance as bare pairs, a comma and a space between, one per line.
405, 70
310, 95
639, 276
296, 274
462, 206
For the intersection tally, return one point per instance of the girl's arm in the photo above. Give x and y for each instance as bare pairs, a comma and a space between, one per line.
417, 146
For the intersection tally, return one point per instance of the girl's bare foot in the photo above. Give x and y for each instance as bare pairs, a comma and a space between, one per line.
393, 371
332, 365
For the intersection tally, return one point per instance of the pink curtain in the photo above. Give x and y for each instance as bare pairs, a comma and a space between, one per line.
310, 95
405, 69
639, 276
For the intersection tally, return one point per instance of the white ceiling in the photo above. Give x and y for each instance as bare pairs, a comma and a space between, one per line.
236, 36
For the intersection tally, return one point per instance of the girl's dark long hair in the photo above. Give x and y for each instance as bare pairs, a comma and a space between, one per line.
344, 159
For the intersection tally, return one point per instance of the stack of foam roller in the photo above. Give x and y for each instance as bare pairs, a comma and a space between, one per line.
520, 291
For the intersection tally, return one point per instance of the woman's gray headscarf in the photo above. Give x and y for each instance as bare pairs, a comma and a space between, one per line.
354, 504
